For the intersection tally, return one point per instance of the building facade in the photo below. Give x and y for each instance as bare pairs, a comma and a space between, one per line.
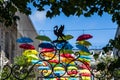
8, 36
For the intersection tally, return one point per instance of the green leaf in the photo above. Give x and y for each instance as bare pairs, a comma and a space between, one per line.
67, 37
43, 38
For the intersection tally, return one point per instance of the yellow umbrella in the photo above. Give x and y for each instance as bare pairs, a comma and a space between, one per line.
86, 78
84, 53
59, 69
48, 54
66, 60
72, 68
84, 60
32, 57
83, 42
28, 52
84, 71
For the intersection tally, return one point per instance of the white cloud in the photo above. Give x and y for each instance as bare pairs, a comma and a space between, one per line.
38, 16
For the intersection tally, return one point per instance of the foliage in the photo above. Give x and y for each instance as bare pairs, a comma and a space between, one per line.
112, 44
56, 7
21, 60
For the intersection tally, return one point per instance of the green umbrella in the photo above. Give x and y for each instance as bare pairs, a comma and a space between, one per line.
83, 42
43, 38
67, 37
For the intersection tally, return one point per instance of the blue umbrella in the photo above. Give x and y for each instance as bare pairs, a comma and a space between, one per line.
24, 40
66, 46
45, 45
82, 48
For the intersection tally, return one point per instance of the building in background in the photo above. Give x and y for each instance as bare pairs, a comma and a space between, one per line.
8, 36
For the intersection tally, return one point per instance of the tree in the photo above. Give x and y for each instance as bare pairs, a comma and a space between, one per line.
56, 7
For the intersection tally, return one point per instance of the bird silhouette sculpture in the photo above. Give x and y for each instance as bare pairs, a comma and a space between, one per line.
59, 32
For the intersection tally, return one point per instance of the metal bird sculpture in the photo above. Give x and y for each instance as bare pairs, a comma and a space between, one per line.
59, 31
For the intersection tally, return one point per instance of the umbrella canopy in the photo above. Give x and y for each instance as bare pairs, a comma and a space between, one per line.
82, 48
27, 46
47, 50
84, 37
59, 68
83, 42
43, 38
66, 37
67, 55
85, 57
45, 45
84, 53
66, 46
24, 40
28, 52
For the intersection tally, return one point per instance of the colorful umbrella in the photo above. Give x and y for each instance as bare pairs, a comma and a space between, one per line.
83, 42
84, 37
43, 38
66, 46
71, 72
45, 45
32, 57
27, 46
82, 48
24, 40
48, 54
66, 37
43, 68
53, 61
84, 53
47, 50
59, 68
66, 55
27, 52
85, 57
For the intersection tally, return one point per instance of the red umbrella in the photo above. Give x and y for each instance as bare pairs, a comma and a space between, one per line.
27, 46
66, 55
84, 37
47, 50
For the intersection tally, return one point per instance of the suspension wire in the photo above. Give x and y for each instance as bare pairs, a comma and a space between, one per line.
73, 29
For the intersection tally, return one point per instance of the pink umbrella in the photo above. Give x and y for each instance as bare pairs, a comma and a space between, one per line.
27, 46
84, 37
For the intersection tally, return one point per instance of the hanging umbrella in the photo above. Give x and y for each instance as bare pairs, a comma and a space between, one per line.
85, 57
54, 61
47, 50
32, 57
82, 48
66, 46
43, 38
24, 40
83, 66
66, 37
59, 68
84, 53
72, 72
84, 37
66, 51
83, 42
48, 54
66, 55
45, 45
28, 52
86, 74
27, 46
84, 71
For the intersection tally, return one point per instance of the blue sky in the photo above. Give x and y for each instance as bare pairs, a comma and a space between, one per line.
101, 28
